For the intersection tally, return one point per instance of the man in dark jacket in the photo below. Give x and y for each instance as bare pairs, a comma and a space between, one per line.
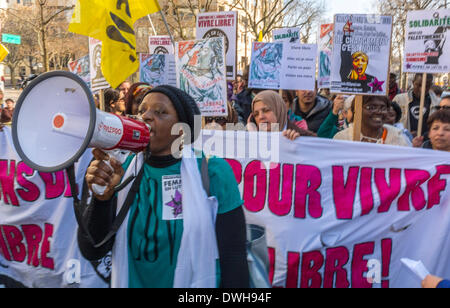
313, 108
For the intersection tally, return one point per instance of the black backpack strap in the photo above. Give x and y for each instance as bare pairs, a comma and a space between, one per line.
81, 205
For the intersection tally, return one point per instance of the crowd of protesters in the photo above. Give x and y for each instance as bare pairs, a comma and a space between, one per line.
391, 120
6, 110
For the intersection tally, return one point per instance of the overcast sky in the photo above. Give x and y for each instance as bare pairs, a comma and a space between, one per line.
350, 6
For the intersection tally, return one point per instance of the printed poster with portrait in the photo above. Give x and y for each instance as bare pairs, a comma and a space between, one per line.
325, 46
80, 67
201, 72
157, 69
361, 52
427, 42
221, 24
266, 65
98, 82
160, 44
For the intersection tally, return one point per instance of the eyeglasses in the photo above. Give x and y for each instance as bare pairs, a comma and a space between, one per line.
442, 107
373, 108
219, 120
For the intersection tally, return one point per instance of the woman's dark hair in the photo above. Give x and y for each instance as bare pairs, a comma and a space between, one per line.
437, 90
384, 99
135, 94
111, 96
290, 96
442, 116
398, 111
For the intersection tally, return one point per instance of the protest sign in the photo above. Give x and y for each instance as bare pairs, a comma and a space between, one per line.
361, 53
98, 81
38, 229
283, 66
325, 46
201, 73
157, 69
339, 213
427, 42
80, 67
221, 24
161, 44
290, 35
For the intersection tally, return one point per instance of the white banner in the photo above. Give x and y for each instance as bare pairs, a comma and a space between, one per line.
221, 24
38, 230
427, 42
343, 214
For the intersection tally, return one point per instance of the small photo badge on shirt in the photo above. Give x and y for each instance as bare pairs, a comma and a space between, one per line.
172, 198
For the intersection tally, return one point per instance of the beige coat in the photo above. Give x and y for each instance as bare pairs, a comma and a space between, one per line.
404, 99
394, 136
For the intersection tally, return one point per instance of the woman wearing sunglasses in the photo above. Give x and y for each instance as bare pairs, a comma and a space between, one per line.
221, 122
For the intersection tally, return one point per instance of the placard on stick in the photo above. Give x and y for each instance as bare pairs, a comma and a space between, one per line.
98, 81
361, 53
157, 69
290, 35
427, 48
427, 42
283, 65
200, 69
160, 44
325, 46
221, 24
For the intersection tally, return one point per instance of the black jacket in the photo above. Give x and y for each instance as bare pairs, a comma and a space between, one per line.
317, 114
243, 105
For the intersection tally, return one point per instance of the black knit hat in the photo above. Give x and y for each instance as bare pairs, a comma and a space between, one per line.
184, 104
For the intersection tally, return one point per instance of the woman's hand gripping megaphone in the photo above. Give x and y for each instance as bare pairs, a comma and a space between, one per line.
104, 174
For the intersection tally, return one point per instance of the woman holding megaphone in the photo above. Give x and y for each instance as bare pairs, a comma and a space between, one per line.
184, 213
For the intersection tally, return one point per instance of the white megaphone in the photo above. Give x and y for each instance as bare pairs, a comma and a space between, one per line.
55, 121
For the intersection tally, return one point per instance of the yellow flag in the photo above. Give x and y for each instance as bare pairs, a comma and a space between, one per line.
260, 38
111, 21
3, 52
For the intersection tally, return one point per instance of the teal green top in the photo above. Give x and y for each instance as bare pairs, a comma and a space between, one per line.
293, 117
154, 241
328, 128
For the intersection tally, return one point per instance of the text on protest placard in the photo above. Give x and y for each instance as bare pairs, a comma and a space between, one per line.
283, 66
221, 24
361, 53
427, 42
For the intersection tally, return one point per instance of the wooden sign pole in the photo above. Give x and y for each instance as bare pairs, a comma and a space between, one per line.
101, 100
422, 104
357, 118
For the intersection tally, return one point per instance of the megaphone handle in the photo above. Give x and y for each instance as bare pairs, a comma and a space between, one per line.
117, 154
100, 190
